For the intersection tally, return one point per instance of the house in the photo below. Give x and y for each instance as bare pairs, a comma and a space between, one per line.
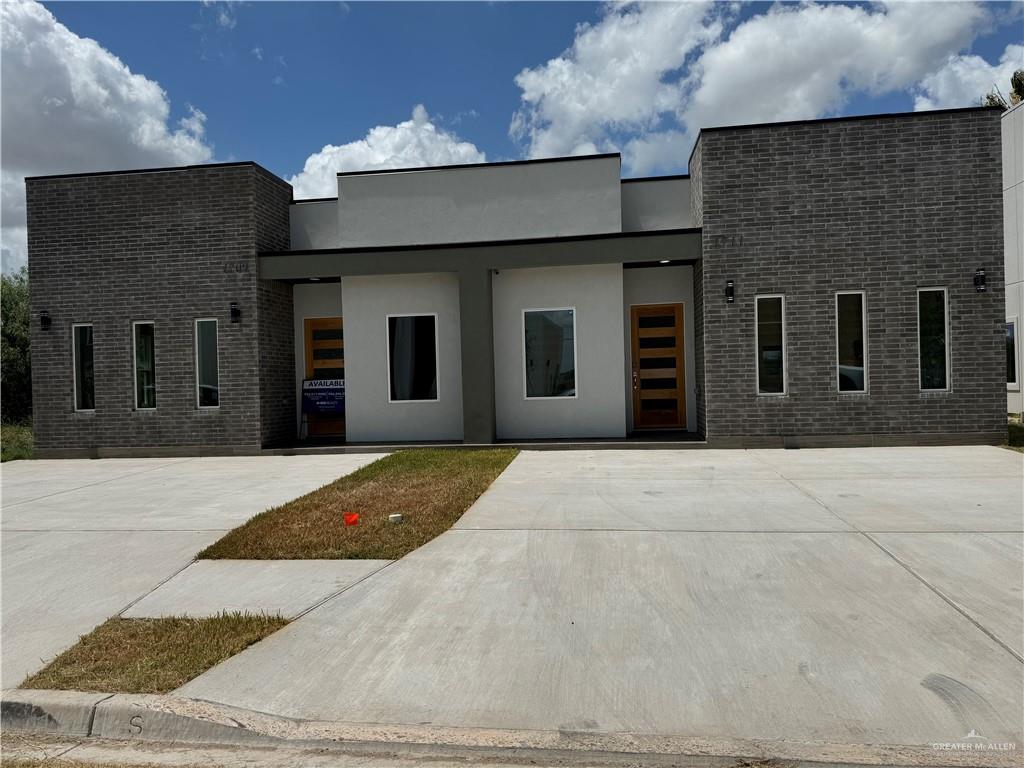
1013, 239
822, 282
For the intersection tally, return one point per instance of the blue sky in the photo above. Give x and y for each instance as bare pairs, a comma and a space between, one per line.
393, 84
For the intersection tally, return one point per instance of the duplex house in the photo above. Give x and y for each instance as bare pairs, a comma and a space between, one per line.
823, 282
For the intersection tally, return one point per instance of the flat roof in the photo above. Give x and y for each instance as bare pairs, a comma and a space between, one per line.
168, 169
535, 161
838, 119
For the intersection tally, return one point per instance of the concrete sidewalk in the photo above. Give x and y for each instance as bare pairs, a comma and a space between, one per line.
83, 539
846, 596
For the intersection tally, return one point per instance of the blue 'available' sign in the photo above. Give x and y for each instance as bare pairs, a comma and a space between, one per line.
323, 396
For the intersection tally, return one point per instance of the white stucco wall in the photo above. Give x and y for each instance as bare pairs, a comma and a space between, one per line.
368, 414
1013, 236
313, 225
595, 292
661, 285
310, 300
528, 200
656, 204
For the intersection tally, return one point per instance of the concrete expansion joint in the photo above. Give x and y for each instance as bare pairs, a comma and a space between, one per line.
154, 720
905, 566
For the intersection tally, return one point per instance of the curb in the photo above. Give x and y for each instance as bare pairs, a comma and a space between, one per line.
170, 719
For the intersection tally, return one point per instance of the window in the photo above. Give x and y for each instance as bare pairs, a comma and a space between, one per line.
933, 339
851, 342
85, 388
145, 364
412, 357
1012, 381
549, 352
207, 374
770, 342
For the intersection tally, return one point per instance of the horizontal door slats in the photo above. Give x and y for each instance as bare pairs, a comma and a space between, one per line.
658, 394
657, 373
659, 352
646, 333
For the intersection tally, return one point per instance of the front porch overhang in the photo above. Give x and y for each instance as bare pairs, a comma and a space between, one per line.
675, 245
475, 263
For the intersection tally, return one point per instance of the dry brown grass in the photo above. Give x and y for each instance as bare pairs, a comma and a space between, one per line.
151, 655
430, 487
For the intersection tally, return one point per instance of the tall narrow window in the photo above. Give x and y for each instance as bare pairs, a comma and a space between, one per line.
145, 364
770, 342
207, 374
851, 342
412, 357
549, 344
933, 338
85, 392
1011, 354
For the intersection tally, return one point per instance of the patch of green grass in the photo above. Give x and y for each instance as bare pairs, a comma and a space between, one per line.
1015, 441
430, 487
151, 655
15, 441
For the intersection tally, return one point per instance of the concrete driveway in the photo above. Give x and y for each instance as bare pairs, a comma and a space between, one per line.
848, 596
82, 540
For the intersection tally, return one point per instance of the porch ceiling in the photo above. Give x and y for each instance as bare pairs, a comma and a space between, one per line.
679, 245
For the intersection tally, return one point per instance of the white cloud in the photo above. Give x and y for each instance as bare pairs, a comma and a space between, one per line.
647, 77
224, 12
805, 61
964, 80
414, 142
257, 52
616, 76
70, 105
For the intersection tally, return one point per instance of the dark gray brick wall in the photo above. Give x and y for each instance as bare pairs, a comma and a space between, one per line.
169, 247
274, 299
885, 205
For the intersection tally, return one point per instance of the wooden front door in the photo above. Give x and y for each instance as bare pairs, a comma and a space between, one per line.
325, 359
659, 398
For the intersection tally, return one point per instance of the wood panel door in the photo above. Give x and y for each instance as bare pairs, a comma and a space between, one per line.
325, 359
659, 397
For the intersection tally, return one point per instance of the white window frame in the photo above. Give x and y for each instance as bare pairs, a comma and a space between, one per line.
949, 341
1013, 320
575, 352
785, 349
195, 340
437, 355
74, 369
864, 335
135, 363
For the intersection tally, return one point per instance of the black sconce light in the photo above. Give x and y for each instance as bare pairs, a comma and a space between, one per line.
979, 281
236, 313
730, 292
44, 320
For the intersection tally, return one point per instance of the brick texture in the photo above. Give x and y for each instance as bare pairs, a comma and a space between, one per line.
884, 205
170, 247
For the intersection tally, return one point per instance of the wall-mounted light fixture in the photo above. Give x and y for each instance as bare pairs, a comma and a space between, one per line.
44, 320
730, 292
236, 313
979, 281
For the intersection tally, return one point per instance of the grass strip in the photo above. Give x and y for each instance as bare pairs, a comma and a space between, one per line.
151, 655
1015, 438
15, 441
429, 487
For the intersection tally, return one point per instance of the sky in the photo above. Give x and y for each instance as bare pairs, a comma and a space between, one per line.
308, 89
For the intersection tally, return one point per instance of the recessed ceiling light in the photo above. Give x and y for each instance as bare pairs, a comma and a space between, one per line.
664, 261
314, 279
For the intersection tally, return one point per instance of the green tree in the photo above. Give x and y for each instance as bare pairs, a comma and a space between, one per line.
995, 98
15, 359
